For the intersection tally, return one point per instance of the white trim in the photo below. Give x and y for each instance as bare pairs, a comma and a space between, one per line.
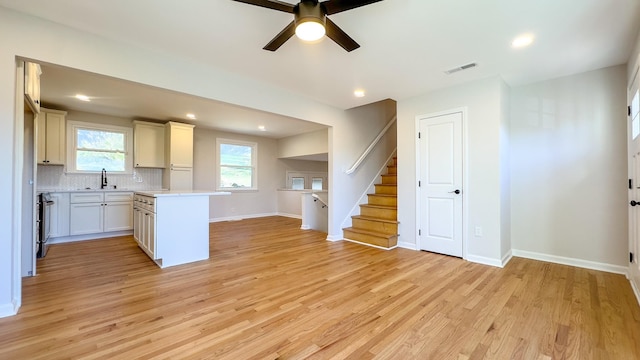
586, 264
484, 260
85, 237
506, 258
408, 245
9, 309
465, 175
335, 237
293, 216
242, 217
305, 227
635, 289
254, 163
71, 146
371, 245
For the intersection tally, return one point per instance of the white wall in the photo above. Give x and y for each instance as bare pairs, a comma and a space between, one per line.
484, 103
240, 204
43, 41
311, 143
568, 167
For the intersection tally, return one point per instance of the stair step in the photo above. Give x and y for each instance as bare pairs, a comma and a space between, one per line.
392, 169
379, 211
371, 237
384, 226
383, 199
390, 179
386, 189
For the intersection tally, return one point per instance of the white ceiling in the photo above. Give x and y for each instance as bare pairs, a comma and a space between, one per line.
405, 44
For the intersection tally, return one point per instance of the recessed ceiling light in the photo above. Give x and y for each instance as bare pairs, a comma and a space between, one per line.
522, 41
82, 97
191, 116
358, 93
262, 128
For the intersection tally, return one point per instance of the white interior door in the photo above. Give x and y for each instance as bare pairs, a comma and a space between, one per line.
440, 181
634, 176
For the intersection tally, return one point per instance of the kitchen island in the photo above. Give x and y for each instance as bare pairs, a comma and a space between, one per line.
172, 227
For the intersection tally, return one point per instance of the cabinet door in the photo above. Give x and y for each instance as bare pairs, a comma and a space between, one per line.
136, 225
149, 145
55, 144
180, 179
41, 134
60, 214
118, 216
86, 218
32, 73
181, 147
150, 235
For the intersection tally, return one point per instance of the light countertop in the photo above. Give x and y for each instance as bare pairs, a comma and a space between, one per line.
160, 193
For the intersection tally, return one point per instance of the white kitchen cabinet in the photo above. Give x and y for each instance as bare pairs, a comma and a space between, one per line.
148, 144
51, 133
32, 72
59, 215
97, 212
144, 226
178, 156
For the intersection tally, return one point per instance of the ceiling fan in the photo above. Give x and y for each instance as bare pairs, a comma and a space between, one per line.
310, 20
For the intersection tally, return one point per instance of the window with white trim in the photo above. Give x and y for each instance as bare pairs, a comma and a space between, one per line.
300, 180
93, 147
237, 163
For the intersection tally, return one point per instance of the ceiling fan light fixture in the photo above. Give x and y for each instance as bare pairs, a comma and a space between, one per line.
310, 30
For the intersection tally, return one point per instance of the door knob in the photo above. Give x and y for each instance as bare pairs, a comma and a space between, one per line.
457, 191
634, 203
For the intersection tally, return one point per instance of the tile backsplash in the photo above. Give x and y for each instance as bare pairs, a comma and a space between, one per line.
54, 178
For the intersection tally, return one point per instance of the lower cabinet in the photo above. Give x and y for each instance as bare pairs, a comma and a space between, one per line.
96, 212
144, 225
59, 215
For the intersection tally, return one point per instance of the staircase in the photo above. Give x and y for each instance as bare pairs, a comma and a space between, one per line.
377, 223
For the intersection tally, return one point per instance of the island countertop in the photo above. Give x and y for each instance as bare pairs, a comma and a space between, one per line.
162, 193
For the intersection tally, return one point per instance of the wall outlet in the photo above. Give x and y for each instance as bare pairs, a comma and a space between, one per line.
478, 231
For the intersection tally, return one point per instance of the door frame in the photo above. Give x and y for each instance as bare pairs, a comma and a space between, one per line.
465, 173
632, 83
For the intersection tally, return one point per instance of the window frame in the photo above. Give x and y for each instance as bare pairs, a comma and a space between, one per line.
254, 164
72, 146
308, 179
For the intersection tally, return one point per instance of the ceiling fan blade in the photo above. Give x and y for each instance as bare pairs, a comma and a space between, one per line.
340, 37
335, 6
282, 37
270, 4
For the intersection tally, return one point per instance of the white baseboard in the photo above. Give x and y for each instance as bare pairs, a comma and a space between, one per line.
370, 245
337, 237
73, 238
9, 309
242, 217
293, 216
506, 258
407, 245
484, 260
636, 291
305, 227
586, 264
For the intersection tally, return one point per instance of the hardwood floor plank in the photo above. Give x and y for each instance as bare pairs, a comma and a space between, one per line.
273, 291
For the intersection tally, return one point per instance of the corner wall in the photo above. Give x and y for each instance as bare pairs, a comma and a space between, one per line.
568, 169
483, 101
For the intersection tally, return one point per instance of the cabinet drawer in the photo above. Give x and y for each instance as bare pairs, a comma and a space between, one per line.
89, 197
118, 196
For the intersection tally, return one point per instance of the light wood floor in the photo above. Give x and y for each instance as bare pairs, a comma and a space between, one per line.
272, 291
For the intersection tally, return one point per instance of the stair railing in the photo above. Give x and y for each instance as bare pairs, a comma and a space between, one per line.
317, 198
371, 146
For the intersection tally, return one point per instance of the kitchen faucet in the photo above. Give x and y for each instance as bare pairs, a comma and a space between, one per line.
103, 183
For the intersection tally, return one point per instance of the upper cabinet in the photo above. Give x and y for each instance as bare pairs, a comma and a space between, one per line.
179, 145
32, 72
51, 136
148, 144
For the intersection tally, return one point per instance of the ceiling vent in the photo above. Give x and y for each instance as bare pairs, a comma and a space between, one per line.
460, 68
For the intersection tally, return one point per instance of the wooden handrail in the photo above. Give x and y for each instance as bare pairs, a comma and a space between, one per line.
371, 146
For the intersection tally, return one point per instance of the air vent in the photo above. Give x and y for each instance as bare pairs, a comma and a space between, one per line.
460, 68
